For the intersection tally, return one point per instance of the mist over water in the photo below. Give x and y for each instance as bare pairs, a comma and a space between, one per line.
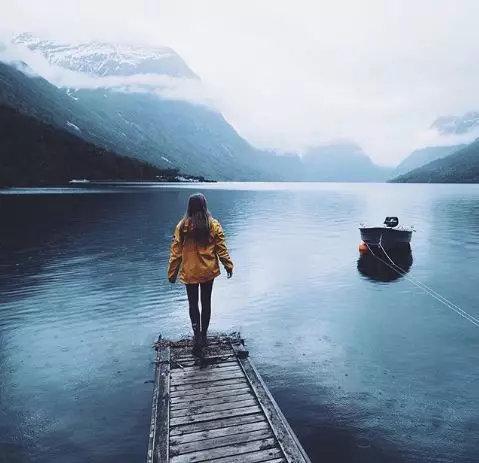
365, 367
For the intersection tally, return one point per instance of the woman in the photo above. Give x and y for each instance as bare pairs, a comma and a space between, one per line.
198, 243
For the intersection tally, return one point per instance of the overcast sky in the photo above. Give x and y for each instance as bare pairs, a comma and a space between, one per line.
291, 74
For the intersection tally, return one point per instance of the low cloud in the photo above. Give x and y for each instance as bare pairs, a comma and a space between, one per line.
433, 137
289, 75
33, 63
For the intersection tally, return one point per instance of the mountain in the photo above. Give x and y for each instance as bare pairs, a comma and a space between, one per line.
194, 139
119, 113
166, 132
162, 131
449, 125
107, 59
133, 124
423, 156
33, 153
342, 162
460, 167
35, 96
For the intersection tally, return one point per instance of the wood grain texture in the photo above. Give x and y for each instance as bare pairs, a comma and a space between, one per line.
214, 415
207, 377
288, 441
216, 424
187, 397
158, 448
207, 400
220, 385
227, 450
225, 431
216, 409
229, 439
273, 455
191, 365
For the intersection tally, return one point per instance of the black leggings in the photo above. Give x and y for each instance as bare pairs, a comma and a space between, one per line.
192, 292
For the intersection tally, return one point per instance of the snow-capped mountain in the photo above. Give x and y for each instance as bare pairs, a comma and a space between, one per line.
456, 125
108, 59
163, 130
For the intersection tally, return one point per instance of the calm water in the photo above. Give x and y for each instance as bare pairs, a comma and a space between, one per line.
366, 367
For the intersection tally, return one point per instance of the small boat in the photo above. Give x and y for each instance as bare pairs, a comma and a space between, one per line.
390, 235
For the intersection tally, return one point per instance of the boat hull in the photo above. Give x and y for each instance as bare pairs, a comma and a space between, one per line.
381, 269
388, 237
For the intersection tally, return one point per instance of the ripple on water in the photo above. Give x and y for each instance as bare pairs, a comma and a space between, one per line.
378, 371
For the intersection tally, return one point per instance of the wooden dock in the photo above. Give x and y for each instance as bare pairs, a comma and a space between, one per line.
216, 409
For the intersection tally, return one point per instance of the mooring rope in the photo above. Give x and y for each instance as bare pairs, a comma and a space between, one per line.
428, 290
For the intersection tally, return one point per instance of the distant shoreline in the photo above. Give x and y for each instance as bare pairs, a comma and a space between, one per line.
185, 179
78, 183
91, 185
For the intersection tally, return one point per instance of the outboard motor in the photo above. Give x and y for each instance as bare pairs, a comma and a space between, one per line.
391, 222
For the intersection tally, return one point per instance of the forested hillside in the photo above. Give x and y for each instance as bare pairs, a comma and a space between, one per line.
33, 153
459, 167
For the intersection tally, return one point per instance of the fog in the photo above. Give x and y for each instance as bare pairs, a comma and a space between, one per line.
290, 75
167, 87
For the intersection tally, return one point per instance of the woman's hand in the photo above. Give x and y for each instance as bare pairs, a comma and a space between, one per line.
229, 273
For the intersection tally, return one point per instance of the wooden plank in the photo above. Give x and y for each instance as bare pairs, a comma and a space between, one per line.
285, 435
223, 441
219, 385
208, 383
212, 350
199, 367
215, 433
158, 447
154, 416
209, 357
216, 410
204, 366
179, 374
187, 343
222, 393
239, 349
207, 360
206, 377
208, 354
197, 363
214, 415
198, 410
216, 424
207, 400
227, 450
273, 455
223, 350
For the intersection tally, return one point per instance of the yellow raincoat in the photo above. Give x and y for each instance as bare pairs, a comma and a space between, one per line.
198, 263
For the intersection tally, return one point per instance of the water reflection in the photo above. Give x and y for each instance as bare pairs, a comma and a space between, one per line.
83, 294
377, 267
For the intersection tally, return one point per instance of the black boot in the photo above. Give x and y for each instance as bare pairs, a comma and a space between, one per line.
204, 339
196, 350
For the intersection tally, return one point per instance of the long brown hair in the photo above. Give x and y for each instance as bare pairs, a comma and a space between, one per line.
196, 221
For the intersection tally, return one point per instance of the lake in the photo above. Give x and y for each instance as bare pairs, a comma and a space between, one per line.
366, 366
